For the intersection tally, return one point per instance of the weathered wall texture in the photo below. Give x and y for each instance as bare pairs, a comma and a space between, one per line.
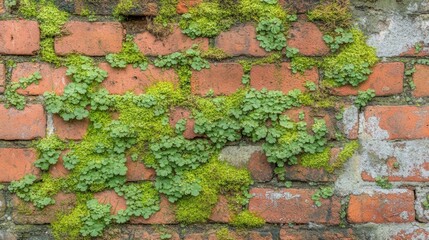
393, 130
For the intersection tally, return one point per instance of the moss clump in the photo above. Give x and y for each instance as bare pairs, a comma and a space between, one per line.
167, 13
130, 54
123, 7
215, 178
224, 234
247, 219
332, 14
347, 152
51, 20
68, 226
302, 64
214, 53
248, 64
353, 64
47, 52
250, 10
317, 160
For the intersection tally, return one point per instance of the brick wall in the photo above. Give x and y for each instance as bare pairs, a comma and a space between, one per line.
393, 130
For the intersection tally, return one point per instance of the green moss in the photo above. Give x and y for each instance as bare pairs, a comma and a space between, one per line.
28, 8
51, 20
316, 160
130, 54
250, 10
123, 7
224, 234
216, 178
353, 63
167, 13
247, 219
345, 154
47, 52
332, 14
302, 64
68, 226
248, 64
214, 53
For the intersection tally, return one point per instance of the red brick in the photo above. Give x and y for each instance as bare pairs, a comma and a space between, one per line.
58, 170
300, 173
174, 42
18, 162
293, 205
312, 234
71, 130
411, 233
421, 80
181, 113
382, 207
398, 122
26, 213
93, 39
221, 212
134, 80
308, 39
221, 78
260, 236
53, 79
19, 37
280, 78
259, 167
385, 79
2, 77
183, 6
137, 171
26, 124
240, 40
111, 197
195, 236
164, 216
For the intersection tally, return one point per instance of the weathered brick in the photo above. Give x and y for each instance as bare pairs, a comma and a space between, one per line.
314, 234
53, 79
26, 213
221, 212
240, 40
164, 216
180, 113
147, 233
293, 205
19, 37
195, 236
397, 122
134, 80
395, 206
422, 213
58, 170
414, 233
137, 171
280, 78
72, 130
183, 6
106, 7
174, 42
2, 77
412, 52
421, 80
300, 173
24, 124
2, 10
308, 39
259, 167
116, 202
260, 236
385, 79
236, 235
18, 162
349, 124
221, 78
93, 39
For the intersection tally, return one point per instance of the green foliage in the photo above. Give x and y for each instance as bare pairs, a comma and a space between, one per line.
250, 10
332, 14
97, 220
302, 64
383, 182
425, 202
10, 3
130, 54
123, 7
167, 13
249, 63
89, 14
47, 52
323, 192
12, 97
68, 226
247, 219
316, 160
364, 97
339, 38
271, 34
39, 193
48, 150
207, 19
51, 20
214, 53
353, 63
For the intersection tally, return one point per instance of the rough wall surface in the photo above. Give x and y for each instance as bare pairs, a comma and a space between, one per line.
381, 192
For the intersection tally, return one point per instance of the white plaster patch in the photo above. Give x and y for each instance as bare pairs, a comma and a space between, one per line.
238, 156
370, 128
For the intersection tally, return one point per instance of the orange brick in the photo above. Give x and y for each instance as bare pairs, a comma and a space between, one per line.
92, 39
53, 79
308, 39
19, 37
221, 212
280, 78
137, 171
421, 80
2, 77
16, 163
381, 207
221, 78
72, 130
181, 113
134, 80
386, 79
164, 216
259, 167
26, 124
111, 197
176, 41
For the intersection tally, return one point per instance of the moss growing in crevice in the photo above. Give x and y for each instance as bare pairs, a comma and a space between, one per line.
332, 14
247, 219
130, 54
